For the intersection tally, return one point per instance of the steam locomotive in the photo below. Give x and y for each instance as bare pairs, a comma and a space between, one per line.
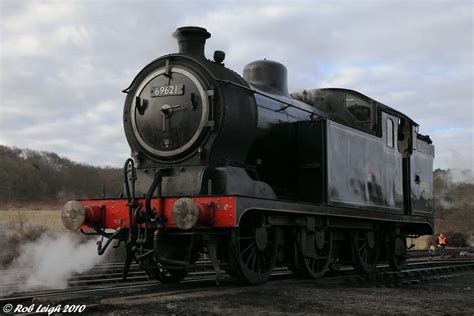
240, 170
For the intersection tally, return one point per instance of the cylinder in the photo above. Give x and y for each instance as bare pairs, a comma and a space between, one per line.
94, 215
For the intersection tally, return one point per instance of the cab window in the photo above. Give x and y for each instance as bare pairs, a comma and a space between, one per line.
389, 133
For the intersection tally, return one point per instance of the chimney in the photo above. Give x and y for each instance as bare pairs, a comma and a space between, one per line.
191, 40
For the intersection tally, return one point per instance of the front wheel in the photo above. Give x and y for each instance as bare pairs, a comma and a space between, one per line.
253, 250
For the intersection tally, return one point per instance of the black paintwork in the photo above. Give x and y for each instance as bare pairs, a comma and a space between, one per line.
180, 123
191, 40
268, 74
422, 178
419, 224
362, 170
329, 148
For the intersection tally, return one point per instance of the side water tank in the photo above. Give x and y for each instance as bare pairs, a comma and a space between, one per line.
267, 73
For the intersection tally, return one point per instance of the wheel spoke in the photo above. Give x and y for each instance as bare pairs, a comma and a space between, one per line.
263, 262
246, 249
255, 262
251, 255
315, 265
365, 255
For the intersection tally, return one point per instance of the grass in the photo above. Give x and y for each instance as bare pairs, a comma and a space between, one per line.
420, 243
20, 224
14, 219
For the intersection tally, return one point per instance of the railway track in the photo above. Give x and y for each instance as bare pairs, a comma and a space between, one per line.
112, 272
450, 252
101, 274
90, 288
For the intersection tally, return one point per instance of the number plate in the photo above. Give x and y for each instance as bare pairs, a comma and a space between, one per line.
161, 91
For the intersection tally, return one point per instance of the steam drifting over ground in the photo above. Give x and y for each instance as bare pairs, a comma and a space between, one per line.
48, 262
460, 176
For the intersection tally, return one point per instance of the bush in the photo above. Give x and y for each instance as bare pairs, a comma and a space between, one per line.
433, 240
10, 243
456, 239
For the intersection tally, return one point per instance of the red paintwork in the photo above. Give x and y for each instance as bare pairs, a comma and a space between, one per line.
223, 214
205, 214
94, 214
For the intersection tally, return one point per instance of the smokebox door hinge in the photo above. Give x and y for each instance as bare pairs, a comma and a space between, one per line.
210, 95
167, 69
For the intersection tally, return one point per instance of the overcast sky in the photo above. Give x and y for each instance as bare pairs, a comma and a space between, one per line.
64, 63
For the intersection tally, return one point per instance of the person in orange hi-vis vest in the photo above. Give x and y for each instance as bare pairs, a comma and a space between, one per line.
442, 243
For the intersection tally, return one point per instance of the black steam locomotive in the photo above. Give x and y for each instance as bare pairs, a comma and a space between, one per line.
253, 176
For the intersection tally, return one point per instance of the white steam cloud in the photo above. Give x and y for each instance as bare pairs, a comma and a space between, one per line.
459, 176
48, 263
470, 241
